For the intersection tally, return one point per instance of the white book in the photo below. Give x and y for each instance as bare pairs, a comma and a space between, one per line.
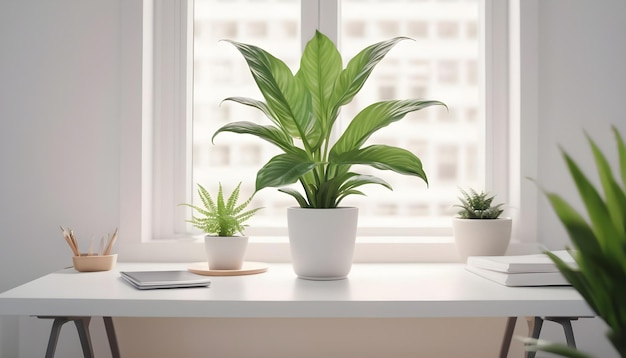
520, 263
521, 279
164, 279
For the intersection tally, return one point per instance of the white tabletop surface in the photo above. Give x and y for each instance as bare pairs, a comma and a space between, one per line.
371, 290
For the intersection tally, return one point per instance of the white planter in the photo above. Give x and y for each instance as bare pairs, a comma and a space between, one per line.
322, 241
225, 253
481, 237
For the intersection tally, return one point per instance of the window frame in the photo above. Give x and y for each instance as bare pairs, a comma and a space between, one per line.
507, 136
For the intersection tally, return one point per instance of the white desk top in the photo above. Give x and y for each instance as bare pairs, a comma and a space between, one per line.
372, 290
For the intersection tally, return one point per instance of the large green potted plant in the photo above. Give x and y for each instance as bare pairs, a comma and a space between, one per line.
221, 220
599, 244
303, 109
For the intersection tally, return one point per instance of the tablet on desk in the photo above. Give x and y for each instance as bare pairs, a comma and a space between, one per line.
144, 280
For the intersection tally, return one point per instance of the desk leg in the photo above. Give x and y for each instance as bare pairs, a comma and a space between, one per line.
110, 328
82, 326
508, 336
566, 323
534, 329
54, 336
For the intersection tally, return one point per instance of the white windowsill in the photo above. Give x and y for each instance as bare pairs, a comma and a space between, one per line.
276, 249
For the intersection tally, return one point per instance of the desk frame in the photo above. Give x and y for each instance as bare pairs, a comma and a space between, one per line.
371, 291
82, 327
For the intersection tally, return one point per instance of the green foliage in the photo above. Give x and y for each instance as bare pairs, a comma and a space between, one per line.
599, 241
535, 345
478, 206
221, 218
303, 109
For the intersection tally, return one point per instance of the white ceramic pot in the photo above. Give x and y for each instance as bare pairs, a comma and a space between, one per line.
481, 237
322, 241
225, 253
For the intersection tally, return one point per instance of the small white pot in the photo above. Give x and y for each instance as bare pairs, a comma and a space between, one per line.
225, 253
481, 237
322, 241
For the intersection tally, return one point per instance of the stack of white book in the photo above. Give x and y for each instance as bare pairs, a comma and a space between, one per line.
521, 270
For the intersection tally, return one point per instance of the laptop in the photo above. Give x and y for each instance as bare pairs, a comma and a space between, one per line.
145, 280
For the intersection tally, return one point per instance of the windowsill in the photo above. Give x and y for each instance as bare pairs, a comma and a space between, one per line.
276, 249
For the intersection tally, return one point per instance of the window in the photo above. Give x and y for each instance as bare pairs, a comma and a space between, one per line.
430, 68
445, 62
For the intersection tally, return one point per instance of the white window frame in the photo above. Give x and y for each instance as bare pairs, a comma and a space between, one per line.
510, 136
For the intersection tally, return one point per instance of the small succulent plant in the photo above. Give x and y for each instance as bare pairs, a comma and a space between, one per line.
221, 217
478, 206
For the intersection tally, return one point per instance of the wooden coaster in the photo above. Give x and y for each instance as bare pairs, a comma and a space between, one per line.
248, 268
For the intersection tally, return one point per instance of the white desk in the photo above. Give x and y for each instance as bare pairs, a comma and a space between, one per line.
371, 290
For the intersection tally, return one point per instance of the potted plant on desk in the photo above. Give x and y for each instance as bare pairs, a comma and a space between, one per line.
221, 220
303, 109
479, 230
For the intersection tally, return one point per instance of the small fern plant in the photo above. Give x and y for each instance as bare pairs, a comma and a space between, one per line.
221, 217
476, 205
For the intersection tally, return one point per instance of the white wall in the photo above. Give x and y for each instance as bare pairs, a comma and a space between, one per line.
59, 140
582, 86
60, 85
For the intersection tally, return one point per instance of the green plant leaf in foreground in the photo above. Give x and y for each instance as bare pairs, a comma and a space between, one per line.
535, 345
599, 243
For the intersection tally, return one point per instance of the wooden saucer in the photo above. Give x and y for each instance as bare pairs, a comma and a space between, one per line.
248, 268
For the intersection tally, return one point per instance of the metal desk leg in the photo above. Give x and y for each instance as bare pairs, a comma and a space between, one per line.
508, 336
566, 323
54, 336
82, 326
534, 329
110, 328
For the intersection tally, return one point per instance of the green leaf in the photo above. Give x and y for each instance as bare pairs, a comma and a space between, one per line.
262, 106
375, 117
232, 200
601, 244
296, 194
362, 179
269, 133
576, 226
206, 199
223, 217
287, 98
283, 169
576, 279
596, 209
358, 70
615, 197
534, 345
621, 150
383, 157
320, 66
